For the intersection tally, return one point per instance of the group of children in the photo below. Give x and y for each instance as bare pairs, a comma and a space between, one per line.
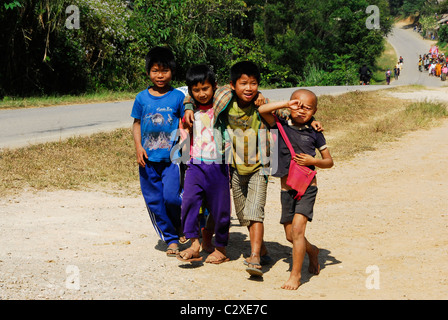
435, 64
215, 127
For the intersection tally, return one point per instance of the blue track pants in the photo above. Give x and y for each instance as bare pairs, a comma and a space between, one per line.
160, 185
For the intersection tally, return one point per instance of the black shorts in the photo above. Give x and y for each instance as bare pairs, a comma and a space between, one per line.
304, 206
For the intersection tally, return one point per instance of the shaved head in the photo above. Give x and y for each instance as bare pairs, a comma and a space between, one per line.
302, 94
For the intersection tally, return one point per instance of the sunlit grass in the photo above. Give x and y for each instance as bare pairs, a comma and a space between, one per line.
104, 159
361, 121
386, 61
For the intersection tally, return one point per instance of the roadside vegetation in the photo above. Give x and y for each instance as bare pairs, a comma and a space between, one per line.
386, 61
294, 43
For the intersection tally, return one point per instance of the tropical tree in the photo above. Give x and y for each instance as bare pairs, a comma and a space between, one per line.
293, 41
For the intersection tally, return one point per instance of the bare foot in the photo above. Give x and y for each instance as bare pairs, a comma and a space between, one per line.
314, 267
293, 283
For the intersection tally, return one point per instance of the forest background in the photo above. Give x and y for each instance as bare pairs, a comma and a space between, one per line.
82, 46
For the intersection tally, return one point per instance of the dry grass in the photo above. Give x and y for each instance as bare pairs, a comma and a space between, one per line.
353, 122
361, 121
101, 160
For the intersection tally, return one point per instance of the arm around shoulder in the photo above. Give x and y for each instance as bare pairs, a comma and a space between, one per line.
266, 110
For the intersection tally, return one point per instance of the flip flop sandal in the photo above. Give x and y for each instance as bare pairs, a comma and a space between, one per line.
183, 240
264, 260
218, 260
193, 258
254, 271
172, 252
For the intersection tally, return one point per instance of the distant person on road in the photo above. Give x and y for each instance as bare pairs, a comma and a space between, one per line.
426, 62
388, 74
438, 69
398, 69
364, 75
157, 111
444, 72
431, 70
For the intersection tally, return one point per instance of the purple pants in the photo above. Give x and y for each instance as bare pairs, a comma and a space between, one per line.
208, 183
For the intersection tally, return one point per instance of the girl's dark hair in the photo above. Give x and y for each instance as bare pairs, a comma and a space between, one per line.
199, 74
161, 56
244, 67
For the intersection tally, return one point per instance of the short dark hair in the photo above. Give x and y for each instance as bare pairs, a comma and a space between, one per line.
199, 73
162, 56
244, 67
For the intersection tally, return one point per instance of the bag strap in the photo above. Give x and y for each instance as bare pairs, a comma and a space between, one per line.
285, 137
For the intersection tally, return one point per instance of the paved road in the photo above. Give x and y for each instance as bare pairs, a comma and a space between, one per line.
410, 45
27, 126
34, 125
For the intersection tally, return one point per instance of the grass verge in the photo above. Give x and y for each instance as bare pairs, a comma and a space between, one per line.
103, 159
46, 101
361, 121
353, 122
386, 61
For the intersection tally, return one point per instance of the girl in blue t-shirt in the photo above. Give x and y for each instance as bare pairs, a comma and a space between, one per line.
156, 112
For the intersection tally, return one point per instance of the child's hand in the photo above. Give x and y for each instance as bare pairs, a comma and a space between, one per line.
294, 104
259, 99
189, 119
317, 126
141, 156
304, 159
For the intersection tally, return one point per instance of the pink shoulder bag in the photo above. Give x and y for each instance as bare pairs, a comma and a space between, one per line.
299, 177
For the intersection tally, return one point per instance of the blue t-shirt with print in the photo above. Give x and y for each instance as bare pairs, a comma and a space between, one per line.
159, 117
